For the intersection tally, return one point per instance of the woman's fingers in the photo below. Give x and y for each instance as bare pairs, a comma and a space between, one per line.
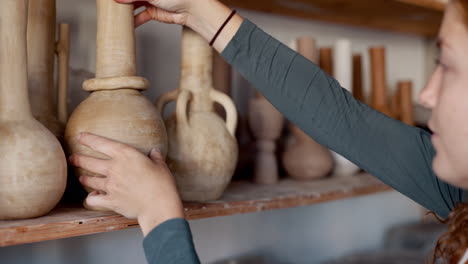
98, 200
96, 183
143, 17
98, 166
103, 145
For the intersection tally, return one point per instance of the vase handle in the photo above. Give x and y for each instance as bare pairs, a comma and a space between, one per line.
181, 107
231, 111
164, 99
63, 53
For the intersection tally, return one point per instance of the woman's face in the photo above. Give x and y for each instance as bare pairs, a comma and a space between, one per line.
447, 95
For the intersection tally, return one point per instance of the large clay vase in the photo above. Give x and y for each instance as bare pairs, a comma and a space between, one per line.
41, 49
33, 168
116, 109
266, 124
342, 71
202, 146
304, 158
379, 100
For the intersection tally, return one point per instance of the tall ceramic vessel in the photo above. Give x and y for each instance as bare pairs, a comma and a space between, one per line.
41, 49
266, 124
358, 91
342, 71
202, 146
32, 163
405, 92
304, 158
116, 108
379, 100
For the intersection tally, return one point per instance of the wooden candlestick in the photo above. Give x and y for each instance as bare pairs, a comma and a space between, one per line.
115, 108
358, 91
379, 100
266, 124
33, 167
326, 60
304, 158
41, 49
405, 90
203, 149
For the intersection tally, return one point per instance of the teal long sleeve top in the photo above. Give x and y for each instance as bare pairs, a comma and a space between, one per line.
398, 154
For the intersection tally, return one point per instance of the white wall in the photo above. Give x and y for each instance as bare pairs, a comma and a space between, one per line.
301, 235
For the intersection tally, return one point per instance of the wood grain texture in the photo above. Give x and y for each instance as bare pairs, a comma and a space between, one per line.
239, 198
421, 17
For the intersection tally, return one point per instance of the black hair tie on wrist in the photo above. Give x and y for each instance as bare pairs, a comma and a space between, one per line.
222, 27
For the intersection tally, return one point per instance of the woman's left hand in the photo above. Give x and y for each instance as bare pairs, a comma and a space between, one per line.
134, 185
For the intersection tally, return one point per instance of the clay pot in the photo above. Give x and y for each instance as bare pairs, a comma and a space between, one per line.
266, 124
304, 158
33, 168
41, 49
379, 100
116, 109
202, 147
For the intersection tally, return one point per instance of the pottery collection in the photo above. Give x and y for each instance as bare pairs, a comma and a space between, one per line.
203, 150
33, 167
198, 139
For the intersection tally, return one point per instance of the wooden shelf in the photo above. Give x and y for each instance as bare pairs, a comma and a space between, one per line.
421, 17
241, 197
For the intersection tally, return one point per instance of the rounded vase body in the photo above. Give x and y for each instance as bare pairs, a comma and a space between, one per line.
304, 158
202, 155
33, 170
123, 115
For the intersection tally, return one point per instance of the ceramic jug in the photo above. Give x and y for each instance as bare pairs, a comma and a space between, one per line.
41, 49
33, 168
266, 124
405, 94
304, 158
116, 109
202, 146
358, 90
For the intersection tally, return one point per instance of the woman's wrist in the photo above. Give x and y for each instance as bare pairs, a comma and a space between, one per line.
207, 16
150, 219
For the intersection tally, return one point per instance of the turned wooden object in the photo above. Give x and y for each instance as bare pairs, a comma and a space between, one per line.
326, 60
222, 77
405, 91
33, 168
358, 91
202, 146
304, 158
266, 124
379, 100
116, 109
41, 50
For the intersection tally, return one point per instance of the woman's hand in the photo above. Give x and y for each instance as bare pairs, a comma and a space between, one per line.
203, 16
135, 185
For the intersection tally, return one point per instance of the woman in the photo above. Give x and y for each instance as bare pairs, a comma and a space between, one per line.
402, 156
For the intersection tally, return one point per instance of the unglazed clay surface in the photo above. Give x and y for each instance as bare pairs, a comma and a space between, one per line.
41, 49
202, 148
115, 108
32, 163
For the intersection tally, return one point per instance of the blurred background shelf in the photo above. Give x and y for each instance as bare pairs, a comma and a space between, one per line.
420, 17
241, 197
